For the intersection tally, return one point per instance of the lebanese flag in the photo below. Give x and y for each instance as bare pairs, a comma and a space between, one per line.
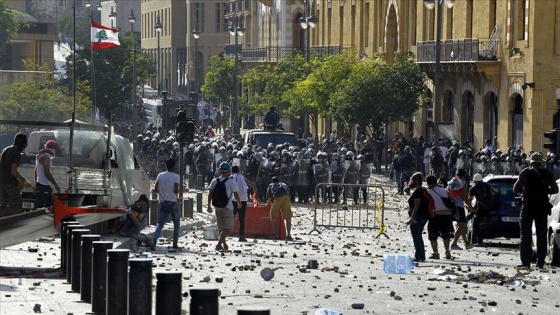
103, 37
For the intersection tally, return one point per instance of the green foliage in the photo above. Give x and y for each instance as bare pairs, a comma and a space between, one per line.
112, 69
40, 98
218, 83
9, 24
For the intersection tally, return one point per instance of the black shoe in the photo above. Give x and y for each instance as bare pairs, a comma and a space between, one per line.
242, 239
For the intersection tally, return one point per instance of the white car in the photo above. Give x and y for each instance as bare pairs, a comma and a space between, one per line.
553, 231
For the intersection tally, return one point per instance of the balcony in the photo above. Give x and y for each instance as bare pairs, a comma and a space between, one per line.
460, 50
470, 57
276, 54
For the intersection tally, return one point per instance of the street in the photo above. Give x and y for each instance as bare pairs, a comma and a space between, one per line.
350, 272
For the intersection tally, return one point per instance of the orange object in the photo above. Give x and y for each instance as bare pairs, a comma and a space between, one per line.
61, 210
257, 222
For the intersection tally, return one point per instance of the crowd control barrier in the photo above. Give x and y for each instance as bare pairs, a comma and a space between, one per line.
342, 205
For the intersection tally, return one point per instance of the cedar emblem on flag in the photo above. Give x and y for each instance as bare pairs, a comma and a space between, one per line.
103, 37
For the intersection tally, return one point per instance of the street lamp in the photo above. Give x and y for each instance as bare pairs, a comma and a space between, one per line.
430, 5
112, 16
308, 21
158, 27
132, 20
196, 35
236, 29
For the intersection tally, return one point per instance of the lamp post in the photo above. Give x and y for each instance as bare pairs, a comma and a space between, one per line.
236, 29
158, 27
112, 16
430, 5
307, 21
132, 20
196, 35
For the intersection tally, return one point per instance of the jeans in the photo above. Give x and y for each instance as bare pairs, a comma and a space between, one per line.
44, 196
241, 213
477, 234
416, 229
167, 208
528, 215
404, 176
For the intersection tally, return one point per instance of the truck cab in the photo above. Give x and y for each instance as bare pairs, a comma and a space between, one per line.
262, 137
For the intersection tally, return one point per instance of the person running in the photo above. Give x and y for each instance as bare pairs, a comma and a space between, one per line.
167, 187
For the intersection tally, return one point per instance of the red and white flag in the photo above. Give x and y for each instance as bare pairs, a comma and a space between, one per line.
103, 37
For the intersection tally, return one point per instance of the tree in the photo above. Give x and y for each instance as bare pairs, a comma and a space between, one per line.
40, 98
10, 24
112, 70
312, 94
218, 83
376, 93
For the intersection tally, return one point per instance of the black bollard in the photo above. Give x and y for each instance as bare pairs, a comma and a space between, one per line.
69, 230
199, 201
117, 281
168, 293
85, 278
140, 286
199, 183
191, 181
63, 248
99, 275
188, 207
253, 312
154, 211
204, 301
77, 257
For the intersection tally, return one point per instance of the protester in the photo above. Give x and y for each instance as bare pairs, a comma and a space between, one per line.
278, 197
11, 181
535, 183
221, 190
167, 187
136, 221
458, 188
418, 215
483, 193
242, 185
43, 176
440, 223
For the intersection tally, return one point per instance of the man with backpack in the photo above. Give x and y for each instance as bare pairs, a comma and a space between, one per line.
221, 190
486, 201
278, 195
535, 183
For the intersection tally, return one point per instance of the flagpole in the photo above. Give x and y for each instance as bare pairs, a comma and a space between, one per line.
71, 145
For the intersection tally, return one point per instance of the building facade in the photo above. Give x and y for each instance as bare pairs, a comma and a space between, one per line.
500, 59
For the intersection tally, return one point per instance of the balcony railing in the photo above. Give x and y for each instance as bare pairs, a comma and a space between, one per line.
460, 50
276, 54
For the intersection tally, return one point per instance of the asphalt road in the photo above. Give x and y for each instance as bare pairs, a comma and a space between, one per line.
350, 272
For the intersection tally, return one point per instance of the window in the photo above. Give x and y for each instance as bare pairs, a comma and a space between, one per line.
199, 16
221, 17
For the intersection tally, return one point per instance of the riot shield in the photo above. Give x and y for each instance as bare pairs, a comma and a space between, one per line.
509, 168
321, 173
337, 171
218, 159
286, 173
352, 172
497, 169
302, 168
365, 173
242, 163
210, 160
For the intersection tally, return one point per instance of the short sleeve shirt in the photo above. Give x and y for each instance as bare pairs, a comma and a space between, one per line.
166, 182
231, 187
9, 156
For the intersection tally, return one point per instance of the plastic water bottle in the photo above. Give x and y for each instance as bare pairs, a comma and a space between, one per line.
398, 263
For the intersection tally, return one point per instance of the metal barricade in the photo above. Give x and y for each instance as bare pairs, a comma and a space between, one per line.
357, 206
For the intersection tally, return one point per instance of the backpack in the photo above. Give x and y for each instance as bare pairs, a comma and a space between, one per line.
487, 197
278, 189
431, 205
220, 197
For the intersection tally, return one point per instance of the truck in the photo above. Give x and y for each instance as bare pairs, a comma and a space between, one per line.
162, 112
262, 138
90, 170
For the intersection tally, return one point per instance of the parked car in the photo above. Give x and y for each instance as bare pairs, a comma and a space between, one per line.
553, 231
502, 222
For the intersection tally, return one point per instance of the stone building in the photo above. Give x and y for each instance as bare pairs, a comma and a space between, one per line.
500, 61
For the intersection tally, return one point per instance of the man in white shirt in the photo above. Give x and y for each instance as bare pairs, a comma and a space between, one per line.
221, 190
241, 182
43, 176
167, 187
